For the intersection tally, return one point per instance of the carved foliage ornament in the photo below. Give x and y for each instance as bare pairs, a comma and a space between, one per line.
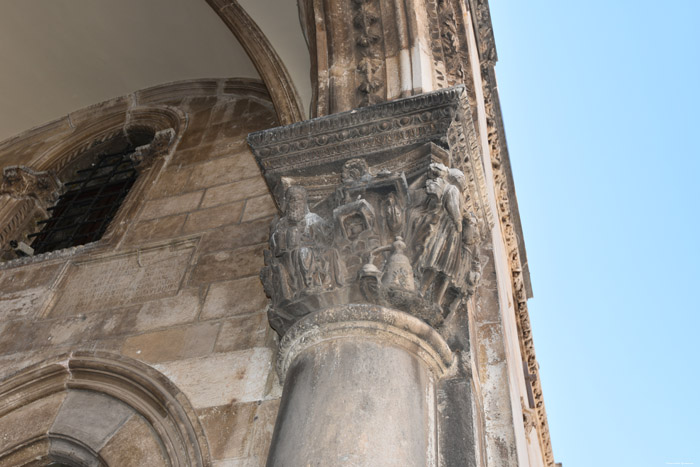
21, 182
368, 41
498, 154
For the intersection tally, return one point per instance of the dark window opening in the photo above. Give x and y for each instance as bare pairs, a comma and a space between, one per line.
98, 182
84, 211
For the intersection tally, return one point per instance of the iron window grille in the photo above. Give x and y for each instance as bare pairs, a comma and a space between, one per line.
82, 213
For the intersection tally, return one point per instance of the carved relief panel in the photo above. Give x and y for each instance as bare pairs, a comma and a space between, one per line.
389, 214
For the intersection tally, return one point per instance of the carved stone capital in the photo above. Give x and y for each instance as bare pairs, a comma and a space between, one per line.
388, 213
21, 183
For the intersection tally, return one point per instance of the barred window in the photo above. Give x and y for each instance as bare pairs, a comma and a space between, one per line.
84, 211
94, 186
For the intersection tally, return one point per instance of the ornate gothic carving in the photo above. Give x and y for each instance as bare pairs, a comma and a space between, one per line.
503, 184
312, 153
382, 205
368, 39
21, 182
301, 259
482, 18
386, 240
455, 58
25, 196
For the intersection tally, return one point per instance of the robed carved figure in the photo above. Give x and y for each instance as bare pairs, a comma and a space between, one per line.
300, 259
378, 239
396, 211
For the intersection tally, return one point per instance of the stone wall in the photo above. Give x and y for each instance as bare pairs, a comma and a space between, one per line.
173, 284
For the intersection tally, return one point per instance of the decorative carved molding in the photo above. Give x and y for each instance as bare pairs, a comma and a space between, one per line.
144, 156
145, 110
366, 320
369, 44
507, 214
396, 218
312, 153
379, 131
109, 123
21, 182
481, 15
33, 192
366, 51
27, 196
15, 213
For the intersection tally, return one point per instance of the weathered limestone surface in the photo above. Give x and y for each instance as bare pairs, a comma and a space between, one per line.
174, 284
370, 289
359, 380
133, 446
90, 417
388, 239
369, 51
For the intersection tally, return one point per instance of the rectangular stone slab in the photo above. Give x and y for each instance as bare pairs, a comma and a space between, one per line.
122, 280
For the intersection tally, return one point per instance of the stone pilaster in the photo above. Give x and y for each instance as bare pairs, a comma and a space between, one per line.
370, 270
364, 52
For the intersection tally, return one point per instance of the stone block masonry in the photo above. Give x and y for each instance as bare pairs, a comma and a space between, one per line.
177, 288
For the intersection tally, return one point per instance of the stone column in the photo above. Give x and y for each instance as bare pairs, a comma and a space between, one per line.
370, 270
359, 389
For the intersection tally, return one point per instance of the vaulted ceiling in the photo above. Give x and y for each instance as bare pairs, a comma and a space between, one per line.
58, 56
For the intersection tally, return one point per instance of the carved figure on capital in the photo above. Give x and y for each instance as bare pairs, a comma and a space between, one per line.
436, 229
300, 259
377, 239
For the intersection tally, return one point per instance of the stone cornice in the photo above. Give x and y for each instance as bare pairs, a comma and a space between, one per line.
335, 137
509, 216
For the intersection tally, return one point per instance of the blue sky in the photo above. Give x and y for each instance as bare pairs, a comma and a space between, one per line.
600, 102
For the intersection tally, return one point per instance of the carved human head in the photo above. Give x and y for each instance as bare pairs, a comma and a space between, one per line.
370, 281
435, 187
438, 170
355, 170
